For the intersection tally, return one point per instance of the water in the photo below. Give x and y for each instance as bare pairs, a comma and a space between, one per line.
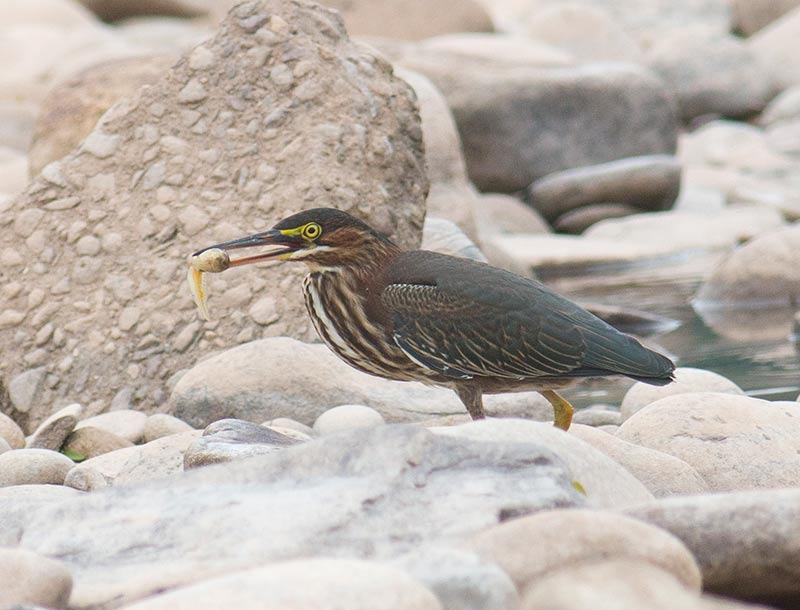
751, 347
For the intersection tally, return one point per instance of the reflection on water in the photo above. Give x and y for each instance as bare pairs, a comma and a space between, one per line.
751, 347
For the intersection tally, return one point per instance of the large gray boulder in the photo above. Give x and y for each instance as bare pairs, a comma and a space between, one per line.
209, 152
519, 123
372, 493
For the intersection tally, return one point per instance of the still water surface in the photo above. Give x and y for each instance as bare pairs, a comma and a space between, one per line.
752, 347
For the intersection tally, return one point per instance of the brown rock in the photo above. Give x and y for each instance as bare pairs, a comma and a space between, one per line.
209, 153
90, 442
72, 108
578, 220
749, 16
52, 432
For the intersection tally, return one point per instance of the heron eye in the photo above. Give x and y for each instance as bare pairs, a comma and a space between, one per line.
312, 230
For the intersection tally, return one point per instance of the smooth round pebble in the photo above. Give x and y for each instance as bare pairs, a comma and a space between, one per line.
159, 425
686, 380
566, 538
126, 423
733, 442
4, 446
347, 417
11, 432
91, 442
29, 578
27, 466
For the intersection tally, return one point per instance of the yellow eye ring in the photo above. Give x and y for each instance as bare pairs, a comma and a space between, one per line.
312, 231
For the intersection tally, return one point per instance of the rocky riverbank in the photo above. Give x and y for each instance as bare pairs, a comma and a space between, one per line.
150, 459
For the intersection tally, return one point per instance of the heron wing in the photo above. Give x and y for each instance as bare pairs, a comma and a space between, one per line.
466, 319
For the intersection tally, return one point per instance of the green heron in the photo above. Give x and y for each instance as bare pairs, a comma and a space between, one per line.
442, 320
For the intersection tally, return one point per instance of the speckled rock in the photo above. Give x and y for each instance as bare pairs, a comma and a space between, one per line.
566, 538
687, 379
11, 432
304, 584
163, 424
345, 417
90, 442
126, 423
765, 270
647, 182
31, 579
744, 542
29, 466
204, 155
154, 460
233, 439
72, 108
734, 442
662, 474
52, 432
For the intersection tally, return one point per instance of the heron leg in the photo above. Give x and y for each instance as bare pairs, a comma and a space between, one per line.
472, 397
562, 410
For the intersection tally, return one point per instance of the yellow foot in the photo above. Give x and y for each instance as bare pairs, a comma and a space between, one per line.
562, 410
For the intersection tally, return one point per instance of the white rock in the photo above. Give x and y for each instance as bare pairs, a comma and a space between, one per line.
620, 584
686, 380
347, 417
567, 538
661, 473
734, 442
162, 424
309, 584
127, 423
27, 578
